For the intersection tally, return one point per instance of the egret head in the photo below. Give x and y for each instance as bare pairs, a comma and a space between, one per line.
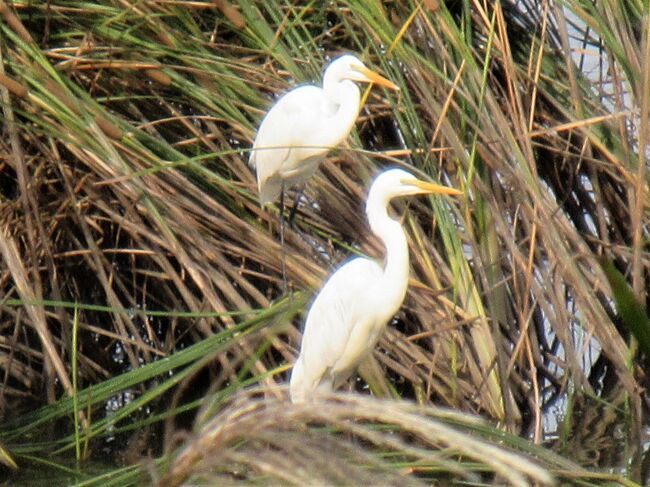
398, 182
351, 68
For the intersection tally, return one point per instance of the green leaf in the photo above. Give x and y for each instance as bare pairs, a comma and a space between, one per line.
632, 312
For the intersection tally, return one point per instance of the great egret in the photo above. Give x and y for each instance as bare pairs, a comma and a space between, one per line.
356, 302
305, 123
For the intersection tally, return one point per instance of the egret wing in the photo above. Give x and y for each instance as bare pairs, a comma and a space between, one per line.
287, 127
337, 309
287, 139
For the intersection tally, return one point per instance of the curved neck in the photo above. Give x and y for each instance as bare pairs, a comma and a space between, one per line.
342, 99
391, 233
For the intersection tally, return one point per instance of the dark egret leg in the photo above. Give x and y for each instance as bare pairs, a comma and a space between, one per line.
283, 254
294, 208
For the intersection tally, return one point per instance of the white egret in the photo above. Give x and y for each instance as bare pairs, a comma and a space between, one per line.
357, 301
307, 122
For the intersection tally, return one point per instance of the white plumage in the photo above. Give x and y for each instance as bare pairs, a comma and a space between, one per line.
357, 301
305, 124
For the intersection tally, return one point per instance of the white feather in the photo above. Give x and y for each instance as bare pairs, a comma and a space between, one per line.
357, 301
299, 130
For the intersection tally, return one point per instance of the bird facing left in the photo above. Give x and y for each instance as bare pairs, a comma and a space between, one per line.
357, 301
306, 123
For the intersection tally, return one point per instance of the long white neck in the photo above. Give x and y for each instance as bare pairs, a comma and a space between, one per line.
391, 233
342, 99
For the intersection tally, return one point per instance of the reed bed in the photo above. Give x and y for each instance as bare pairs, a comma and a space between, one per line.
141, 283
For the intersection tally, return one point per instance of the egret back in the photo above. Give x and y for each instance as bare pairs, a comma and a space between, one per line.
289, 144
342, 327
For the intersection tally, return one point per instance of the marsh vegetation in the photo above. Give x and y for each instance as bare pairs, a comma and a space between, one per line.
143, 321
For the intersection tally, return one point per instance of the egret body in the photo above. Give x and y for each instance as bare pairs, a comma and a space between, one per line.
357, 301
306, 123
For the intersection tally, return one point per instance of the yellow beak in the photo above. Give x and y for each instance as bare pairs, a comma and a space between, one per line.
376, 78
432, 188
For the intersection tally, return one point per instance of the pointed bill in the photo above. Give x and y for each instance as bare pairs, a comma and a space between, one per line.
427, 187
376, 78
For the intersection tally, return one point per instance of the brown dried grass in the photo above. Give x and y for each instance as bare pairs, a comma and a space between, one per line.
124, 183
